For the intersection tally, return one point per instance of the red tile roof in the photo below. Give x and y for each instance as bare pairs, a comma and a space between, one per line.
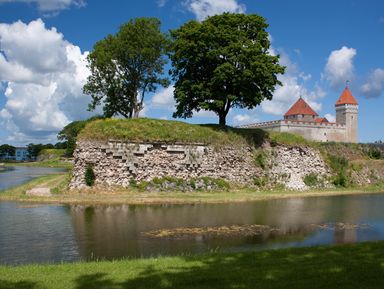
321, 119
300, 107
346, 97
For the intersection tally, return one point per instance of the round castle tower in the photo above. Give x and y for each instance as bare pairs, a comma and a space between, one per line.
347, 110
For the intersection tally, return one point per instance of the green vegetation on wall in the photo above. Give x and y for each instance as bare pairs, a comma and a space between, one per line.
89, 176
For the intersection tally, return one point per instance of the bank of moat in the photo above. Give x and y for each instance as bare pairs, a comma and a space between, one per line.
302, 119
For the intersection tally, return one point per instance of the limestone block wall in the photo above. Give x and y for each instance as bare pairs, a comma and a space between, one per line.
289, 166
118, 163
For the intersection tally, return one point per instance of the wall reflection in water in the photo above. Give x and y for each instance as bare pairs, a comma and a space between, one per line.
116, 231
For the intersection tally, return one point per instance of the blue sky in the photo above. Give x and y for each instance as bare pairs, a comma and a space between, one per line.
44, 43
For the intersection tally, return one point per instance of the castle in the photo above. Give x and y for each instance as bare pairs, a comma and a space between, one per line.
302, 119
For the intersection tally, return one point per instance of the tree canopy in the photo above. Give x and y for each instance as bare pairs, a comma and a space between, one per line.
7, 150
222, 62
125, 66
70, 131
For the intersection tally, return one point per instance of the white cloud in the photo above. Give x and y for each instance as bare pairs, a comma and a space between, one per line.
44, 92
161, 3
50, 5
164, 98
339, 67
374, 85
293, 87
204, 8
330, 117
239, 119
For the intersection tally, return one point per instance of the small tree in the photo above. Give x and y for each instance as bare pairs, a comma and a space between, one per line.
222, 62
70, 131
7, 151
125, 66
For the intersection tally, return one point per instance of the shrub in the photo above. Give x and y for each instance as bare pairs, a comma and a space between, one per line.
374, 153
260, 181
341, 180
311, 180
338, 163
260, 159
89, 176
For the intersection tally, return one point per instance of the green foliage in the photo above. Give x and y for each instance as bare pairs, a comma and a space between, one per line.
341, 180
35, 149
125, 66
7, 151
376, 154
222, 62
311, 180
70, 131
338, 163
261, 159
169, 183
260, 182
89, 176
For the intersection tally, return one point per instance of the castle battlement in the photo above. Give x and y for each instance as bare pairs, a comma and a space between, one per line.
302, 119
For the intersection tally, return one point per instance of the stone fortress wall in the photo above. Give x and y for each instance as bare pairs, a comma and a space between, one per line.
322, 132
117, 163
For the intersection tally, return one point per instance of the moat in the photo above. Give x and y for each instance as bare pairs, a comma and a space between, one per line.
39, 233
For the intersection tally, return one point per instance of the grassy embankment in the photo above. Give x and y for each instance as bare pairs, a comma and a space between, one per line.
347, 266
142, 130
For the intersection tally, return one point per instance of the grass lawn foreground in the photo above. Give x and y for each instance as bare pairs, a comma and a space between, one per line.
347, 266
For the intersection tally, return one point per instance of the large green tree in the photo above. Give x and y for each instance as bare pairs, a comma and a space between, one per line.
125, 66
222, 62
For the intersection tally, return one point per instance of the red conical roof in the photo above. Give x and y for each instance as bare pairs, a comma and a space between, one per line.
300, 107
346, 97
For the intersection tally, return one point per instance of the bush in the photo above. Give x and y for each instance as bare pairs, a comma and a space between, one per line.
260, 181
341, 180
338, 163
260, 159
89, 176
311, 180
374, 153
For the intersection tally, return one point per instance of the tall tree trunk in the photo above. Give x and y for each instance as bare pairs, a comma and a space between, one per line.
222, 117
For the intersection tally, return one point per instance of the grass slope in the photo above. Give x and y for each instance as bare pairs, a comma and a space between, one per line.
348, 266
155, 130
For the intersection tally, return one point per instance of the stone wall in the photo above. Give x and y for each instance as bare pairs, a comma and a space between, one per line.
120, 163
289, 166
310, 130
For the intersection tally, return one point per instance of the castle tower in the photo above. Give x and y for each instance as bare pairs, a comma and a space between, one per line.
347, 113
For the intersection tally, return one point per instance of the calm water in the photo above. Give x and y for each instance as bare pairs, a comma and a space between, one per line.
14, 176
56, 233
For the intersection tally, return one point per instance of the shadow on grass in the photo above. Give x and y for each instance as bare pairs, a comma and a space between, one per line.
18, 285
358, 266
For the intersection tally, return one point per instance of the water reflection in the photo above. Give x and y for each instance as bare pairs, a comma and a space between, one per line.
14, 176
56, 233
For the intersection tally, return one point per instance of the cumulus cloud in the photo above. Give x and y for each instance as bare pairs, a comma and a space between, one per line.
339, 67
374, 85
164, 98
50, 5
293, 87
44, 92
204, 8
330, 117
243, 118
